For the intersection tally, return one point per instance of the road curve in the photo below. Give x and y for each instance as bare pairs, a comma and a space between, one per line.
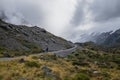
62, 53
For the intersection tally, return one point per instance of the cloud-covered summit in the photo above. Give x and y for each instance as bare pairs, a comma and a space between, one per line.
67, 18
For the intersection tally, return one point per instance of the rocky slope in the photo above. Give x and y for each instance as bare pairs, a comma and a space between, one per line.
100, 38
108, 38
22, 38
113, 39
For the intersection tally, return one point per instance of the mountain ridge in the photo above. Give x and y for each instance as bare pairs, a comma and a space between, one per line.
108, 38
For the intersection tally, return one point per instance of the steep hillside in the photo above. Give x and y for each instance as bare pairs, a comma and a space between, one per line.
113, 39
24, 39
108, 38
100, 38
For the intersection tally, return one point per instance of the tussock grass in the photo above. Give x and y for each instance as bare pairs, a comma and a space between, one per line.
62, 68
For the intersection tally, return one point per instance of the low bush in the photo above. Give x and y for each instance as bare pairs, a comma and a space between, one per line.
1, 77
118, 67
69, 56
81, 76
35, 57
32, 64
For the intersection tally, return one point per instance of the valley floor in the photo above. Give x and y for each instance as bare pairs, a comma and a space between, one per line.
79, 65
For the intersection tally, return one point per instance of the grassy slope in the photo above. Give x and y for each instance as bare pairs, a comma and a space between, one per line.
84, 64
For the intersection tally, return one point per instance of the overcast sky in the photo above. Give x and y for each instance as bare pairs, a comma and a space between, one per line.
66, 18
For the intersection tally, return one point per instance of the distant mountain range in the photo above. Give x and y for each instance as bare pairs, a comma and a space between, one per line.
108, 38
111, 38
34, 39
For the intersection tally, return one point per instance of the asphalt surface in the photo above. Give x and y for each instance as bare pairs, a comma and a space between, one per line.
64, 53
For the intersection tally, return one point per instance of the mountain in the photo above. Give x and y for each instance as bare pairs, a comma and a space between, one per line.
96, 37
21, 39
108, 38
101, 37
113, 39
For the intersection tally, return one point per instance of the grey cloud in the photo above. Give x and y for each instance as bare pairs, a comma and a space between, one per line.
105, 16
2, 15
78, 17
103, 10
20, 12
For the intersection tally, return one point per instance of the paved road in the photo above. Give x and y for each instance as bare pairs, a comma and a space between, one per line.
62, 53
9, 59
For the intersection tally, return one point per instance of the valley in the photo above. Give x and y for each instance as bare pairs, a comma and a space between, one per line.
32, 53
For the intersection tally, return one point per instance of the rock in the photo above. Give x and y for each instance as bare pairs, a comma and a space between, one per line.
22, 79
95, 72
22, 60
49, 74
46, 69
6, 54
43, 58
5, 27
96, 62
43, 30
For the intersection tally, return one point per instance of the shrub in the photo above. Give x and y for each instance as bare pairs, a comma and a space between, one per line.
118, 67
1, 55
69, 56
32, 64
116, 60
54, 57
80, 63
105, 74
81, 76
66, 78
34, 57
1, 77
15, 74
75, 63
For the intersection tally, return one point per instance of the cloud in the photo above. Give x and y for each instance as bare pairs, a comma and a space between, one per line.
79, 16
54, 15
71, 19
97, 16
60, 13
104, 10
22, 11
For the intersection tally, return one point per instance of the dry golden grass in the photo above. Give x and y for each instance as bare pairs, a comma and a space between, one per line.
14, 70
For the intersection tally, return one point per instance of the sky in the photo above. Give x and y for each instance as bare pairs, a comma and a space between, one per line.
74, 20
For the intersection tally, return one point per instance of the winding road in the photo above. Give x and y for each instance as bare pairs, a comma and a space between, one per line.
62, 53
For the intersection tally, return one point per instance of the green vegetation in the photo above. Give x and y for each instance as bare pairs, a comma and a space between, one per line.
1, 77
90, 63
81, 76
32, 48
32, 64
4, 52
